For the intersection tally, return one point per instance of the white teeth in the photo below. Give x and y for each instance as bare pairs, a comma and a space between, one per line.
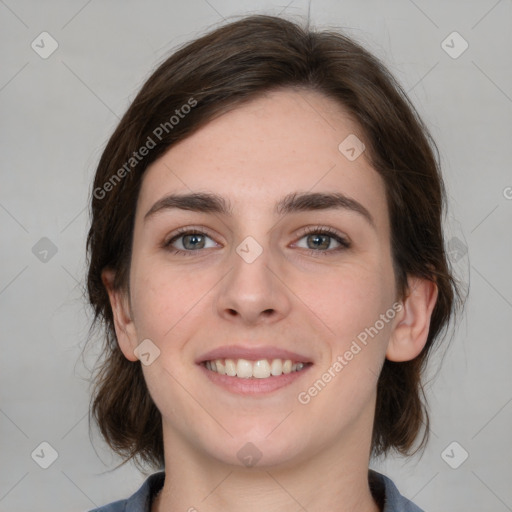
220, 367
243, 369
276, 368
230, 367
261, 369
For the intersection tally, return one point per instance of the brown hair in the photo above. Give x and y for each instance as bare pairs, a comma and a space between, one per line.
213, 74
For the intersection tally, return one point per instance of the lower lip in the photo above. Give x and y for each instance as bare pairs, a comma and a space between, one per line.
253, 386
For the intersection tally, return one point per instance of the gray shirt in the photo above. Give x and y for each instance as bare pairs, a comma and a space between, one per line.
383, 489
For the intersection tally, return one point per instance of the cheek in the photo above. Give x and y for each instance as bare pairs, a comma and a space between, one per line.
356, 305
355, 338
165, 300
347, 301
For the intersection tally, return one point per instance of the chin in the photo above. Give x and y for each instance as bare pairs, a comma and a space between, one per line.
257, 449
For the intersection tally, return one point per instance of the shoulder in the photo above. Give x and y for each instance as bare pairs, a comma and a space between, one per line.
140, 501
386, 492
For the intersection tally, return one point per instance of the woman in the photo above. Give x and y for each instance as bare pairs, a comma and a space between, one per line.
266, 254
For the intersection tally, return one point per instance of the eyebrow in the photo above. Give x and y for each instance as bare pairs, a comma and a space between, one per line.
205, 202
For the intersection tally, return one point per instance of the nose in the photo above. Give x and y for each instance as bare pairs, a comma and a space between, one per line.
254, 290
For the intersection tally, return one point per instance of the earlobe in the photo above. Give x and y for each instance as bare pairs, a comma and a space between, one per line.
410, 333
123, 323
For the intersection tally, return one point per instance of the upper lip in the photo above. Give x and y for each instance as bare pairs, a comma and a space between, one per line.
251, 353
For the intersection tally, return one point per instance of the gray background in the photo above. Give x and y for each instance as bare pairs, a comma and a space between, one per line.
56, 115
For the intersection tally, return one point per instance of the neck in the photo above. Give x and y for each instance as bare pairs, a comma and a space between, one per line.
334, 479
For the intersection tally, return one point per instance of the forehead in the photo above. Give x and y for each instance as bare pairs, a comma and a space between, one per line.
282, 142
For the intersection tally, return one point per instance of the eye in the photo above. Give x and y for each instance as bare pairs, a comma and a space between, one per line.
319, 240
188, 241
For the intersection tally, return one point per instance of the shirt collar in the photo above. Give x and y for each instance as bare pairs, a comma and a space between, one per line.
382, 488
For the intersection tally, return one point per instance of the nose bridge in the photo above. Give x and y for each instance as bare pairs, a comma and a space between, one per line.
251, 289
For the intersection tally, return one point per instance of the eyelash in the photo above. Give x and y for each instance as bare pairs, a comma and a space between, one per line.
319, 230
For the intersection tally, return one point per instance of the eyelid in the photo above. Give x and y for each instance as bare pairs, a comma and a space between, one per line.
201, 230
326, 230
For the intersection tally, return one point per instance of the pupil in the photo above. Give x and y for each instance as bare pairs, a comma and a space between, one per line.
193, 238
319, 237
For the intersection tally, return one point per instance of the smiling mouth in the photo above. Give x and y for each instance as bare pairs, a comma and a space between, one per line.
260, 369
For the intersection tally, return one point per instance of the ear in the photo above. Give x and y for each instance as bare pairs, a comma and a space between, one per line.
123, 323
411, 328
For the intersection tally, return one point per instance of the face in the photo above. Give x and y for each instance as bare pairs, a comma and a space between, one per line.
253, 282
